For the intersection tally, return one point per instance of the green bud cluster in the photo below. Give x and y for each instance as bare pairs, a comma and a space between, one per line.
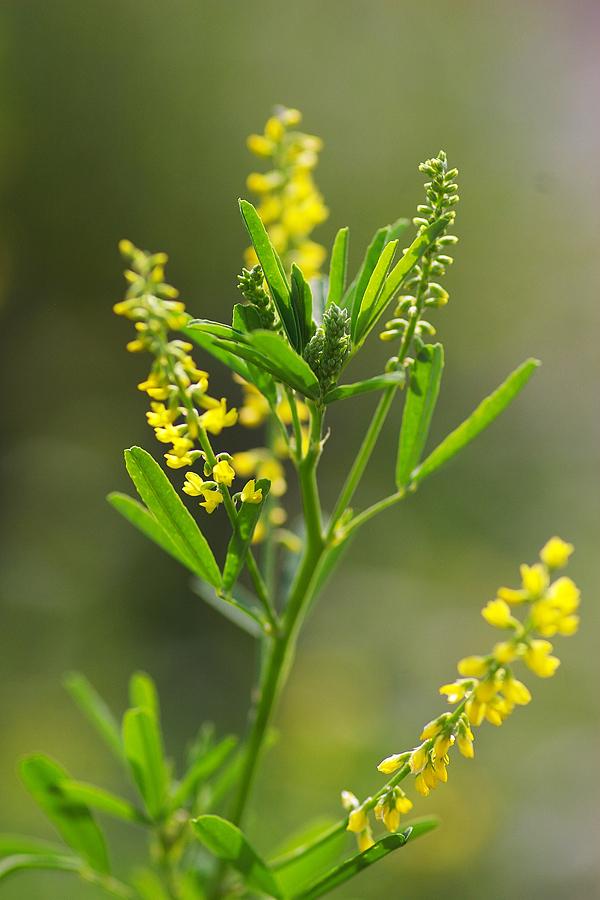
423, 290
327, 349
251, 285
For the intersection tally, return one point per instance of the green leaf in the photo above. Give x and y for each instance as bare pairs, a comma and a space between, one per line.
104, 801
361, 314
298, 863
402, 268
421, 398
222, 354
378, 383
356, 864
245, 524
488, 410
302, 306
160, 497
55, 861
143, 693
272, 270
354, 293
202, 769
228, 843
138, 516
95, 710
338, 267
239, 610
18, 844
73, 820
144, 751
397, 229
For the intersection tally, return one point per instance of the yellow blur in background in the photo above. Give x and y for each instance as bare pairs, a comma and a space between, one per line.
130, 118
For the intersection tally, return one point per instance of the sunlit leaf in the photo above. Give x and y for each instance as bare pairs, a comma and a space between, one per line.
488, 410
160, 497
377, 383
143, 693
297, 863
362, 311
49, 861
421, 398
72, 819
302, 305
338, 267
228, 843
142, 519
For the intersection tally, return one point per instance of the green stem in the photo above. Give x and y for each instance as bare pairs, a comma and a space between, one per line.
373, 510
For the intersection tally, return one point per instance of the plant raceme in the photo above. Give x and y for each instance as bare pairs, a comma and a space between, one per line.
288, 344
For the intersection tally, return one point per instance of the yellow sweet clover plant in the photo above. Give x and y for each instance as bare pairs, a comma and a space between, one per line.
288, 344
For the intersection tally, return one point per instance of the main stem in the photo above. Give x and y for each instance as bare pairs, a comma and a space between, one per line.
281, 646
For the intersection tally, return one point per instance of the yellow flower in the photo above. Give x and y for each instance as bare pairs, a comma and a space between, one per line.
473, 665
403, 804
365, 839
223, 473
216, 419
454, 691
565, 595
178, 462
535, 579
505, 652
418, 758
431, 729
537, 657
421, 785
249, 494
255, 408
211, 500
442, 744
259, 532
392, 763
497, 613
387, 813
357, 820
555, 553
154, 387
193, 485
464, 741
515, 691
161, 416
475, 711
274, 472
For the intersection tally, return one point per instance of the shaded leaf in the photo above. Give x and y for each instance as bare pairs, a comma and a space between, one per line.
228, 843
142, 519
298, 863
377, 383
95, 710
202, 769
104, 801
488, 410
274, 348
245, 523
22, 861
73, 820
239, 610
302, 306
160, 497
144, 751
338, 267
421, 398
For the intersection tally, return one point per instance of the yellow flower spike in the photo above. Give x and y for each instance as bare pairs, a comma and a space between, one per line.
211, 500
497, 613
391, 764
418, 758
357, 820
535, 579
473, 665
193, 484
223, 473
249, 494
555, 553
515, 691
421, 785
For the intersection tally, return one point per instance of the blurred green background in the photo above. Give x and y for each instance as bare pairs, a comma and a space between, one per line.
128, 119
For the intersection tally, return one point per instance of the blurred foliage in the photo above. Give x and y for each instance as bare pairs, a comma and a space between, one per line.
129, 118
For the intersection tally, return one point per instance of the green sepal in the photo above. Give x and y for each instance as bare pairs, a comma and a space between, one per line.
338, 267
377, 383
488, 410
247, 517
227, 842
421, 398
73, 820
160, 497
95, 710
143, 745
272, 269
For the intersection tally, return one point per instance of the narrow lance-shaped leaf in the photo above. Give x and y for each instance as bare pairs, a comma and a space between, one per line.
73, 820
421, 398
338, 267
142, 692
239, 609
95, 710
144, 751
302, 306
356, 864
272, 270
246, 318
228, 843
488, 410
361, 315
359, 284
201, 770
160, 497
295, 869
16, 844
377, 383
142, 519
50, 861
104, 801
245, 524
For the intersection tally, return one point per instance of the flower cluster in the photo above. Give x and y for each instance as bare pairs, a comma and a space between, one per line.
328, 348
423, 292
487, 689
290, 206
182, 413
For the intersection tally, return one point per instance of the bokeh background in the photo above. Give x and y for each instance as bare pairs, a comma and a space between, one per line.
128, 118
